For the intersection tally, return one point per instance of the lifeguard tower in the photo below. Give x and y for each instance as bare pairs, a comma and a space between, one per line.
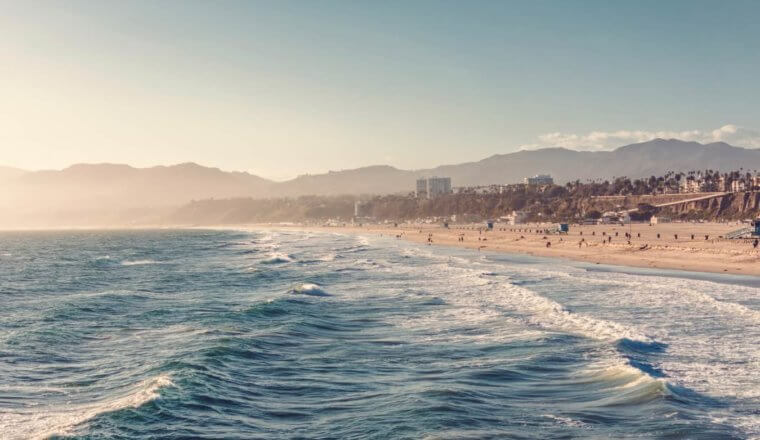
752, 231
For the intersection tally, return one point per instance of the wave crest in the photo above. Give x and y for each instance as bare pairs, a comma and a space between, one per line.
277, 259
56, 421
310, 289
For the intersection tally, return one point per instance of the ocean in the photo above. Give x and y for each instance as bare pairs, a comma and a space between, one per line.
213, 334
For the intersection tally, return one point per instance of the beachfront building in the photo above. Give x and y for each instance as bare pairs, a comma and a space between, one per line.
438, 186
659, 219
516, 218
722, 186
433, 187
357, 209
689, 185
610, 217
738, 185
539, 180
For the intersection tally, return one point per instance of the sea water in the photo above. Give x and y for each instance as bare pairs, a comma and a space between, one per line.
267, 334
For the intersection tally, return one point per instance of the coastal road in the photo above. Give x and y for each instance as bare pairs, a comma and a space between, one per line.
678, 202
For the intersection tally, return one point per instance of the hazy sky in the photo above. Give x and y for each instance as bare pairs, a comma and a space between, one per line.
282, 88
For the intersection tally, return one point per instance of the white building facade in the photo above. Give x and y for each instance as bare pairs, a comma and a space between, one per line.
433, 187
539, 180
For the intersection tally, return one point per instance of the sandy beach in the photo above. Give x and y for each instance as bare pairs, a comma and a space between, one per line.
684, 246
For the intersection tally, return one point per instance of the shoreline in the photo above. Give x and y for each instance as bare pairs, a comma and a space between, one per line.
713, 255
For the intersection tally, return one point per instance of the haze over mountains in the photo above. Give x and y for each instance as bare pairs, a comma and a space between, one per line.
8, 173
97, 194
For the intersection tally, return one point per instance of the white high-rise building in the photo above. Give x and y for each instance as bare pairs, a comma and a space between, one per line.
433, 187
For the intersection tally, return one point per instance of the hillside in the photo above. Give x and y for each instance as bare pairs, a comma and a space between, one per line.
645, 159
98, 194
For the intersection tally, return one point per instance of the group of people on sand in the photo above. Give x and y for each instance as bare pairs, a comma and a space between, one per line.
607, 237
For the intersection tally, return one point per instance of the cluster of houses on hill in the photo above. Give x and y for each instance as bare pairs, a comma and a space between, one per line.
431, 187
729, 182
694, 182
540, 181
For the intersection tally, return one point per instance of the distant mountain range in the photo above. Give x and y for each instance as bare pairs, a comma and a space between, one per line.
105, 193
645, 159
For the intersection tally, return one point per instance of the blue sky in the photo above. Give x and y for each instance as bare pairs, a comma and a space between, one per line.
282, 88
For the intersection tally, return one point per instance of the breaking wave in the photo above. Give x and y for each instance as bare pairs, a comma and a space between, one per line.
277, 258
60, 421
310, 289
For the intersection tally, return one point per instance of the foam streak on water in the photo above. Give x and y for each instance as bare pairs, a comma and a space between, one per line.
281, 334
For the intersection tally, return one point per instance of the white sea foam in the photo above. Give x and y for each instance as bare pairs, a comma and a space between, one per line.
481, 288
552, 315
310, 289
138, 262
44, 422
566, 421
710, 331
363, 241
277, 258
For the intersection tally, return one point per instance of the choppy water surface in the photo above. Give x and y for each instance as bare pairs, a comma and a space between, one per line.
227, 334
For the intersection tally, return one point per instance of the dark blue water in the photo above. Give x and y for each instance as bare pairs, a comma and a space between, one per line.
227, 334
